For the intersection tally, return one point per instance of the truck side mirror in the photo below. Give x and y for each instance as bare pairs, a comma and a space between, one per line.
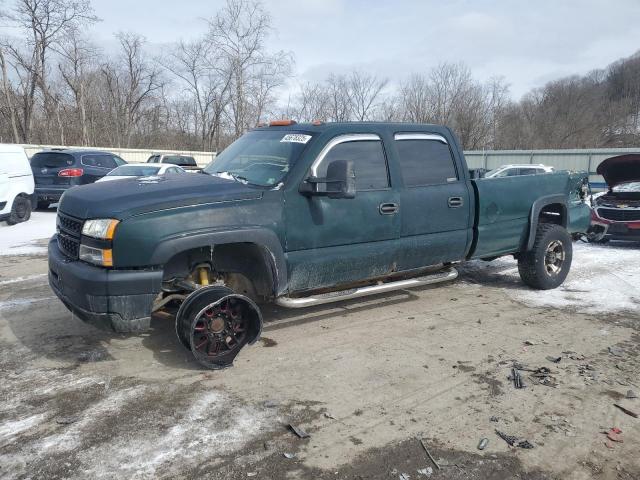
340, 181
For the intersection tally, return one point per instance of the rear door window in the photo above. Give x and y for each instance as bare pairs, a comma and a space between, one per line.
99, 160
369, 163
52, 160
425, 159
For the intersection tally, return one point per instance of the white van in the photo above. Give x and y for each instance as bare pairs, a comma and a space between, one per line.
16, 184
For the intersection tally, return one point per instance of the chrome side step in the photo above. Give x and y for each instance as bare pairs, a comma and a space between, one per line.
301, 302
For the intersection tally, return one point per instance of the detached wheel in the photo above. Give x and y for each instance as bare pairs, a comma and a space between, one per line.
547, 265
215, 324
20, 211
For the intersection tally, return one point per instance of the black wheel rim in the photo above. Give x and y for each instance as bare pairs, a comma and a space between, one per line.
219, 329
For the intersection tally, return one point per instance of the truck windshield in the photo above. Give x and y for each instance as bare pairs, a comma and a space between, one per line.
260, 157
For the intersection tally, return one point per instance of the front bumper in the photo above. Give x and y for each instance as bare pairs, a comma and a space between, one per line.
118, 300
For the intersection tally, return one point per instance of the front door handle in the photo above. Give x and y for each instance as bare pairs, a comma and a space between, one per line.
455, 202
388, 208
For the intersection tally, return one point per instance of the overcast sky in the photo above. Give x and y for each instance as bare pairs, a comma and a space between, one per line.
527, 42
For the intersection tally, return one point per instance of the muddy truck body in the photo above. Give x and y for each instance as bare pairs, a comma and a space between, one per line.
300, 215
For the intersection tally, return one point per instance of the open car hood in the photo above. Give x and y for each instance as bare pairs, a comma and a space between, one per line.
620, 169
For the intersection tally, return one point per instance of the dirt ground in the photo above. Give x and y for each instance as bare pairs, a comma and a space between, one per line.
365, 378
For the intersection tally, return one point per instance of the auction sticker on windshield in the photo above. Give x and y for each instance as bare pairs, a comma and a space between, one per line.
296, 138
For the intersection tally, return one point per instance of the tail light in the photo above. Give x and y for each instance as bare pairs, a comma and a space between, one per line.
71, 172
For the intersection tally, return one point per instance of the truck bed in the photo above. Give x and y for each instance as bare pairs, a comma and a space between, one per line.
503, 206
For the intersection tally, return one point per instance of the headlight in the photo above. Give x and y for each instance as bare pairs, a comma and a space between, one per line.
97, 256
102, 228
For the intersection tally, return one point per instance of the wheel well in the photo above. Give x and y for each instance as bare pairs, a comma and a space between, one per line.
245, 267
553, 213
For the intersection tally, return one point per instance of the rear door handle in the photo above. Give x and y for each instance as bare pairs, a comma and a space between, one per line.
455, 202
388, 208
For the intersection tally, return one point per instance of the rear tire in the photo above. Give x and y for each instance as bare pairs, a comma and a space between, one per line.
547, 264
20, 211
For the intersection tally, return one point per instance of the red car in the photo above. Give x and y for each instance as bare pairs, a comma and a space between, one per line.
615, 215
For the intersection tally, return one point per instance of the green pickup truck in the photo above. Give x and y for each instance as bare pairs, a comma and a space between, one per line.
300, 215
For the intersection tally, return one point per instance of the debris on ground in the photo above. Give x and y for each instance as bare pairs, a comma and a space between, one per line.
328, 415
427, 472
299, 431
529, 343
542, 376
617, 351
631, 394
66, 420
554, 359
514, 441
429, 454
270, 404
625, 410
483, 444
404, 476
289, 455
615, 435
516, 378
493, 418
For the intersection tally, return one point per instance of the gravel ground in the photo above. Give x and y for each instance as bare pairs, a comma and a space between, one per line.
364, 378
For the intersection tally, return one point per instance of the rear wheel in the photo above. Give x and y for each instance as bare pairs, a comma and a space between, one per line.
20, 211
547, 264
215, 323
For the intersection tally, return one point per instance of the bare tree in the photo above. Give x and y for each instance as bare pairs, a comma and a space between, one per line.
8, 95
130, 82
238, 32
365, 92
45, 23
77, 56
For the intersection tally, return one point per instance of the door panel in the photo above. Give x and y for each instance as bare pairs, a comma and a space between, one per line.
436, 203
335, 241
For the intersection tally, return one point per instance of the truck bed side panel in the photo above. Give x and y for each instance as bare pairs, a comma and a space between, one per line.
503, 208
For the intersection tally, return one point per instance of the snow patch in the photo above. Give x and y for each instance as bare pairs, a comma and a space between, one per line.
23, 279
14, 427
21, 239
212, 426
603, 279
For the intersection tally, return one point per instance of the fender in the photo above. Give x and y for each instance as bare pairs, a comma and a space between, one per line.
262, 237
534, 215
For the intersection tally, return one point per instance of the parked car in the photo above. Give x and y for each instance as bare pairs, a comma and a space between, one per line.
517, 170
16, 184
141, 170
57, 170
300, 215
616, 212
184, 161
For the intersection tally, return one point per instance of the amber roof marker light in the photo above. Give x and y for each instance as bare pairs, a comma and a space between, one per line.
282, 123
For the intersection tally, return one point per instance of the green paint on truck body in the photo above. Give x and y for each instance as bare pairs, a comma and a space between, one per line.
314, 242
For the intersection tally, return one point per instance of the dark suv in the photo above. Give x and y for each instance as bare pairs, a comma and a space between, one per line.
54, 171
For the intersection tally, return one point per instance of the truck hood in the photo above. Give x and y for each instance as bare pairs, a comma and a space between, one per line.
620, 169
123, 198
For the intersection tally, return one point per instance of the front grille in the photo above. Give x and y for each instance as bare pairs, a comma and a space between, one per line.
69, 231
619, 214
70, 225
